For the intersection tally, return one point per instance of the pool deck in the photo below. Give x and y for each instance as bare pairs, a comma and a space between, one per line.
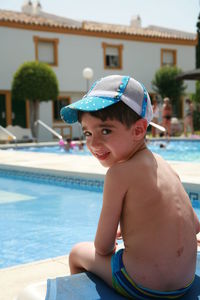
14, 279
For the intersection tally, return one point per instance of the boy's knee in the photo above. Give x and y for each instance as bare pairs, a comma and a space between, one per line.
74, 257
78, 258
76, 251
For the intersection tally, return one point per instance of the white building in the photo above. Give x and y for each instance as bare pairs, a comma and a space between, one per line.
69, 46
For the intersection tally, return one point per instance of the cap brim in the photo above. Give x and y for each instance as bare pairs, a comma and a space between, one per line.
87, 104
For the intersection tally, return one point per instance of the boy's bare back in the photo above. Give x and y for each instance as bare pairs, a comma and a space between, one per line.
157, 223
141, 192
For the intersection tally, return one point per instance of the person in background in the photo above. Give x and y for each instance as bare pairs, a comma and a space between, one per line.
188, 120
167, 115
155, 116
68, 144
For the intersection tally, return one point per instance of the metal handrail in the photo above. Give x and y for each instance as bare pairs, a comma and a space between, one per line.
159, 127
49, 129
8, 133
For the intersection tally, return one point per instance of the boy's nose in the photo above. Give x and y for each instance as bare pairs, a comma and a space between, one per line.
95, 141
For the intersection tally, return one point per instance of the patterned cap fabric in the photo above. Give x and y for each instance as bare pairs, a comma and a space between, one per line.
108, 91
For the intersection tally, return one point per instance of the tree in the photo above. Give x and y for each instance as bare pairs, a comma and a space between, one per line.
35, 81
196, 99
198, 44
196, 96
166, 85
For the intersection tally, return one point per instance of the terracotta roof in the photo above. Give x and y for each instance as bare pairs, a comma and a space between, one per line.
41, 20
174, 32
151, 31
53, 21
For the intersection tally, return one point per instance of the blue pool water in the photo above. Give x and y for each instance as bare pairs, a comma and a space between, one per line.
188, 151
40, 220
173, 151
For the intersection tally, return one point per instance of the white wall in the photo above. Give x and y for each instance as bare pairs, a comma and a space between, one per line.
45, 114
16, 47
139, 59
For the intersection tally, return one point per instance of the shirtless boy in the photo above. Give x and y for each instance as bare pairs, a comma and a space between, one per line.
142, 193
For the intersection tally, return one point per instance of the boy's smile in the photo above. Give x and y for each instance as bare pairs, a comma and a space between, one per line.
109, 141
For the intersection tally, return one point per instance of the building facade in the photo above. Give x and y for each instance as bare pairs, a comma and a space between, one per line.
70, 46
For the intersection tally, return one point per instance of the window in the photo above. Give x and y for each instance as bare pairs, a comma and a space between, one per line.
112, 56
168, 57
46, 50
57, 105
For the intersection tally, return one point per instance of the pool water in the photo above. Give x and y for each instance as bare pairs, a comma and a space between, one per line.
52, 149
40, 221
187, 151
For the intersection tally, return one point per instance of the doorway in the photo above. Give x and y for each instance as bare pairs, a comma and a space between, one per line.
19, 113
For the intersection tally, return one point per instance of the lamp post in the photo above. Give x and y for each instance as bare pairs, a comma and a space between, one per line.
87, 74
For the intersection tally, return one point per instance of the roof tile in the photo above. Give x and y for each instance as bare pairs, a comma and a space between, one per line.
45, 19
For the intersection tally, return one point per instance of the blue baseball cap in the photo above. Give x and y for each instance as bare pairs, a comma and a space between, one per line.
108, 91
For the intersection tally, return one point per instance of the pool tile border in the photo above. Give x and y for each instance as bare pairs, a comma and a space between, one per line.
59, 180
81, 181
193, 191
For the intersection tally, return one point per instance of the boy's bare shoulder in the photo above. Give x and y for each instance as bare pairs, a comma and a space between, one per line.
143, 166
139, 162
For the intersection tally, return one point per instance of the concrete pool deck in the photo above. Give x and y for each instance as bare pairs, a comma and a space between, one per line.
14, 279
188, 172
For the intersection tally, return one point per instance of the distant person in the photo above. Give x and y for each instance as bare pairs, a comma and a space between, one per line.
68, 144
142, 194
156, 112
162, 145
81, 146
167, 115
188, 120
74, 144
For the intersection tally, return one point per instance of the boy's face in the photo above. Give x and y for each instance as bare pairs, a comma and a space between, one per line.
109, 141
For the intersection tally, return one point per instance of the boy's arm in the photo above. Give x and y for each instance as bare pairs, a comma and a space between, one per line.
114, 192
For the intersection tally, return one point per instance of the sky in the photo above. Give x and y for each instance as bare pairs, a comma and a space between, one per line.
175, 14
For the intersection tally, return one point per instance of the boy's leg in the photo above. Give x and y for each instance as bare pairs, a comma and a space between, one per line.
83, 257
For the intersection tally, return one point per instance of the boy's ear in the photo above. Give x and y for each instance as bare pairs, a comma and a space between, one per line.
139, 129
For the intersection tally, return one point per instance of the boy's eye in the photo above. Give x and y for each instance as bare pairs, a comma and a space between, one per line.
86, 133
106, 131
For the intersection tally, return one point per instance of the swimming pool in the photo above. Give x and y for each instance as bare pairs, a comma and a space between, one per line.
40, 220
175, 150
43, 216
181, 150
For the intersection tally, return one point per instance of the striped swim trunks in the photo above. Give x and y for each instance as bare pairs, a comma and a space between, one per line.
125, 286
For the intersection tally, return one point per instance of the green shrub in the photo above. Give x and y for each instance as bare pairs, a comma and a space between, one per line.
34, 81
166, 85
196, 120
